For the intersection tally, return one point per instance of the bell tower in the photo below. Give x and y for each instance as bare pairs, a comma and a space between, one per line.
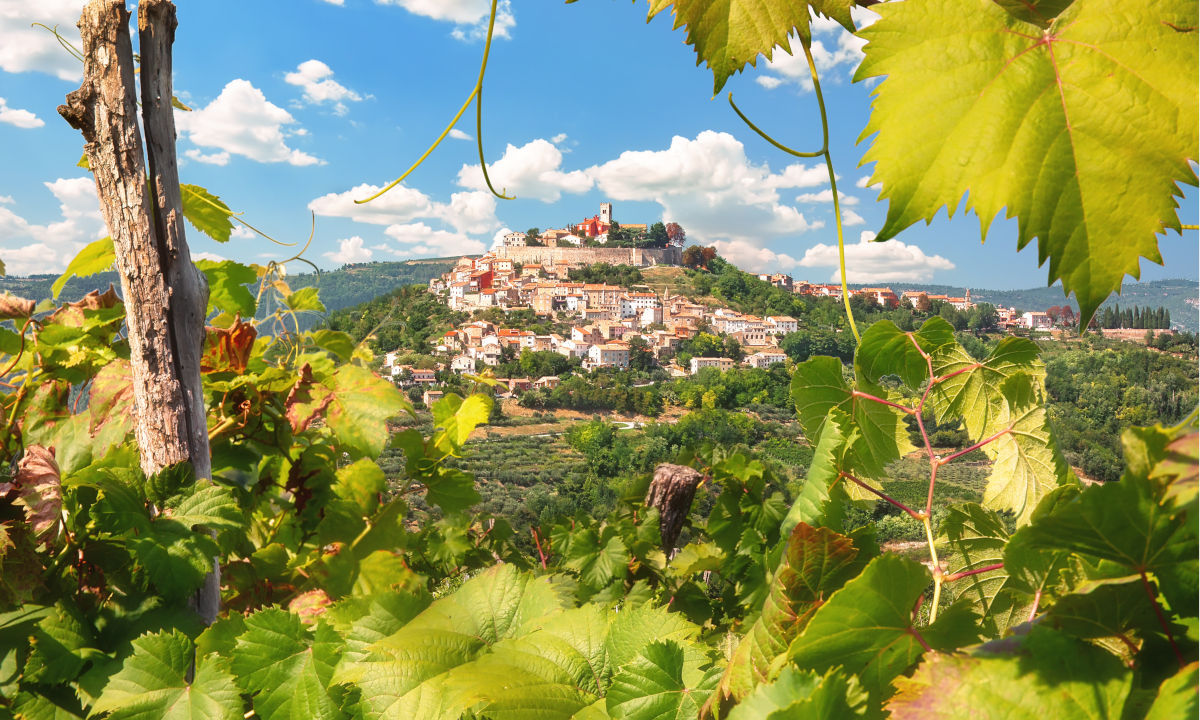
606, 213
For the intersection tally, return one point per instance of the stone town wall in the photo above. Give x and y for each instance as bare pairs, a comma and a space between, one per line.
578, 257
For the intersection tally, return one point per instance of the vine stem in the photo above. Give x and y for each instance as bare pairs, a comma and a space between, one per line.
968, 573
937, 570
976, 446
1162, 621
537, 541
911, 513
867, 396
837, 211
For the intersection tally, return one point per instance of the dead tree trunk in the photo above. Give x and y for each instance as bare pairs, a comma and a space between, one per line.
165, 296
672, 491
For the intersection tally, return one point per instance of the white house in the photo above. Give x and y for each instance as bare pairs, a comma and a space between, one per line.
764, 359
699, 363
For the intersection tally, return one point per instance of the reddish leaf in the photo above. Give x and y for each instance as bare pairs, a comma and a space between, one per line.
71, 314
111, 397
305, 402
14, 308
228, 349
38, 483
310, 605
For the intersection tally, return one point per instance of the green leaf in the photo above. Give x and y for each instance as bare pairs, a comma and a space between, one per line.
206, 212
819, 502
975, 392
882, 436
455, 420
1061, 124
977, 538
1177, 696
1109, 608
227, 291
60, 647
305, 299
362, 404
451, 490
728, 34
803, 694
1044, 675
288, 674
814, 565
867, 626
886, 350
211, 506
94, 258
598, 556
653, 686
152, 684
634, 628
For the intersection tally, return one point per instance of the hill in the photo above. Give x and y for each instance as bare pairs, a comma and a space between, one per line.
348, 285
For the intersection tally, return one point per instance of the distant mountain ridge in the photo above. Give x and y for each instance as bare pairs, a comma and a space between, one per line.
1180, 297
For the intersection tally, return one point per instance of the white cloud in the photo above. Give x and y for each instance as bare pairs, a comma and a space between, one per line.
241, 121
339, 3
470, 16
558, 138
48, 248
826, 196
20, 118
872, 262
457, 134
208, 256
217, 158
468, 212
26, 48
316, 79
498, 238
840, 49
851, 218
753, 258
710, 186
350, 250
864, 182
242, 232
531, 171
420, 240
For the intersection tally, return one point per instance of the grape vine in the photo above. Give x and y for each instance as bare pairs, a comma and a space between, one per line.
346, 595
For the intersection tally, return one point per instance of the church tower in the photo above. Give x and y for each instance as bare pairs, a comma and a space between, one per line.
606, 213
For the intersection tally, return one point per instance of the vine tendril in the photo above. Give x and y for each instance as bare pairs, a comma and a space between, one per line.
477, 96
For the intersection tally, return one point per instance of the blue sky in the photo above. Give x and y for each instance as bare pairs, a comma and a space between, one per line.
303, 105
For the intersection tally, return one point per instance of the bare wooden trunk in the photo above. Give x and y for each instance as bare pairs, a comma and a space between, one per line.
165, 296
672, 491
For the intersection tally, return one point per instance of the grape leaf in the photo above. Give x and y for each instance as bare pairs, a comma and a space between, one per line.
814, 565
360, 407
654, 686
278, 663
1081, 129
803, 694
227, 291
1044, 675
60, 647
94, 258
728, 34
206, 212
305, 299
152, 683
867, 626
882, 436
1177, 696
977, 538
886, 350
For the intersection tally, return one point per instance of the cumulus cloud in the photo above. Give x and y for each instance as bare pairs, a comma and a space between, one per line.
241, 121
532, 171
26, 48
872, 262
217, 158
711, 187
209, 256
835, 51
851, 218
469, 16
864, 182
48, 248
468, 212
826, 196
753, 258
457, 134
498, 238
420, 240
315, 78
350, 250
23, 119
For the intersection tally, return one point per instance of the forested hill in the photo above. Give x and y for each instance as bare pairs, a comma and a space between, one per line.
341, 288
1174, 295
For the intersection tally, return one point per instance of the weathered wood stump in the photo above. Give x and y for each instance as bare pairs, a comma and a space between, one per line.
672, 491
